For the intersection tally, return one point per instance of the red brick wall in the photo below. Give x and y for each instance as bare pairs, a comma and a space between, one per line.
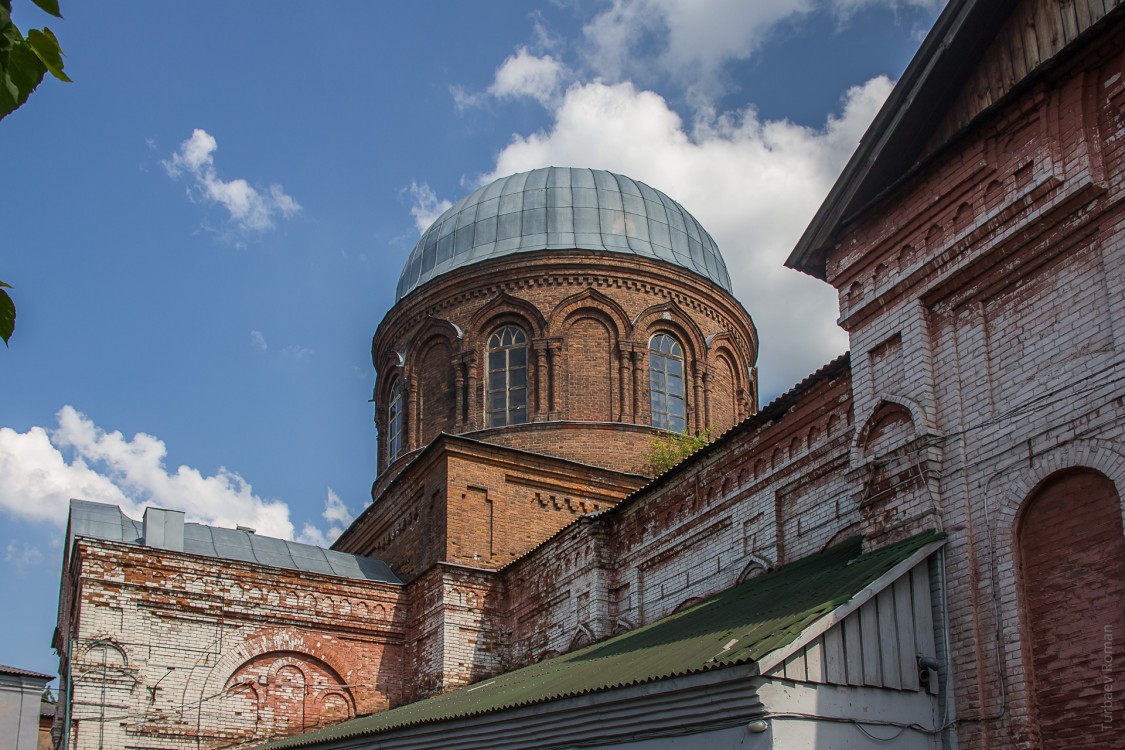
1072, 571
589, 371
194, 649
476, 504
436, 402
589, 318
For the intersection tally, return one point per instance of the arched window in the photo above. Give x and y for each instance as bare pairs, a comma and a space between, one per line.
666, 383
507, 377
395, 421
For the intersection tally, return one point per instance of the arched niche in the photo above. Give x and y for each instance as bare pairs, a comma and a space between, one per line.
1070, 557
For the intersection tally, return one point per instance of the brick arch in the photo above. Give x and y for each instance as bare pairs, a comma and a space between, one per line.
669, 318
1003, 497
652, 321
500, 310
430, 369
590, 375
1070, 557
729, 402
588, 299
212, 680
391, 369
289, 687
582, 637
870, 421
752, 567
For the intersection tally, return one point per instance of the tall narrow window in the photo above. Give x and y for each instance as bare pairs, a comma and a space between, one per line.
395, 422
507, 377
666, 383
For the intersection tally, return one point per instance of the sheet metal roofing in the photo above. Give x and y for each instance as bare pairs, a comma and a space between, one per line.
562, 208
103, 521
737, 626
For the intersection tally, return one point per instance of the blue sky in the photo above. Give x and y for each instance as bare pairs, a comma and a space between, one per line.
204, 229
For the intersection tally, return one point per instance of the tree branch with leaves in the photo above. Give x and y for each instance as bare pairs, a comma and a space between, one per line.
24, 62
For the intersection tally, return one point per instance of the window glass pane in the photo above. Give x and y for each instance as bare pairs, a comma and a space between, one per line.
507, 377
666, 384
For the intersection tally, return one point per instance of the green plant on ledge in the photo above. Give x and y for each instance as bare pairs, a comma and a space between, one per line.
665, 451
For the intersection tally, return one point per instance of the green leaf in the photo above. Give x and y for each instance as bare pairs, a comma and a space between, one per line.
46, 47
22, 74
7, 315
51, 6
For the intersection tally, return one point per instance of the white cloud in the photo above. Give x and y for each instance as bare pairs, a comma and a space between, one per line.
249, 208
754, 185
337, 515
296, 352
22, 556
688, 42
685, 40
426, 206
524, 74
41, 470
258, 341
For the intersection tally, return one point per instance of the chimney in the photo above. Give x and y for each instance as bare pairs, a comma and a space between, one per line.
164, 529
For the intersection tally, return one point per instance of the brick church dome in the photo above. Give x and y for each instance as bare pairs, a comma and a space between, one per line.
574, 313
561, 208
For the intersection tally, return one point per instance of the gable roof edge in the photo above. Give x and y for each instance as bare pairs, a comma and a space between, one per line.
809, 255
836, 616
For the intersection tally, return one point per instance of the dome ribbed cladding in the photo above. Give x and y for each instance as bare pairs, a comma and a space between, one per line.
561, 208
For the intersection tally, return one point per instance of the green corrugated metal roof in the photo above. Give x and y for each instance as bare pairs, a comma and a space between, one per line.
737, 626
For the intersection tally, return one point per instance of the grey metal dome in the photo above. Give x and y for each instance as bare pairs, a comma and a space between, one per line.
560, 208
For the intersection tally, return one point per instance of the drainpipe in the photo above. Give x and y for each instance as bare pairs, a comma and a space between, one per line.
69, 692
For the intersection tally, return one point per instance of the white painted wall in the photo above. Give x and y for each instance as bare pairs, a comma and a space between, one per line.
19, 710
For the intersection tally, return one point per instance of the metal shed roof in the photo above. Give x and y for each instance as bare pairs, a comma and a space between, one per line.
103, 521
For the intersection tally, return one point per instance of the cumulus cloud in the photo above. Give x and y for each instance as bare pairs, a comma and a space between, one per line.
250, 209
22, 556
686, 40
41, 470
753, 184
426, 207
526, 75
258, 341
690, 41
337, 515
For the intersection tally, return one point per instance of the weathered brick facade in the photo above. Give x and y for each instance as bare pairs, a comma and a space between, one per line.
169, 649
982, 284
